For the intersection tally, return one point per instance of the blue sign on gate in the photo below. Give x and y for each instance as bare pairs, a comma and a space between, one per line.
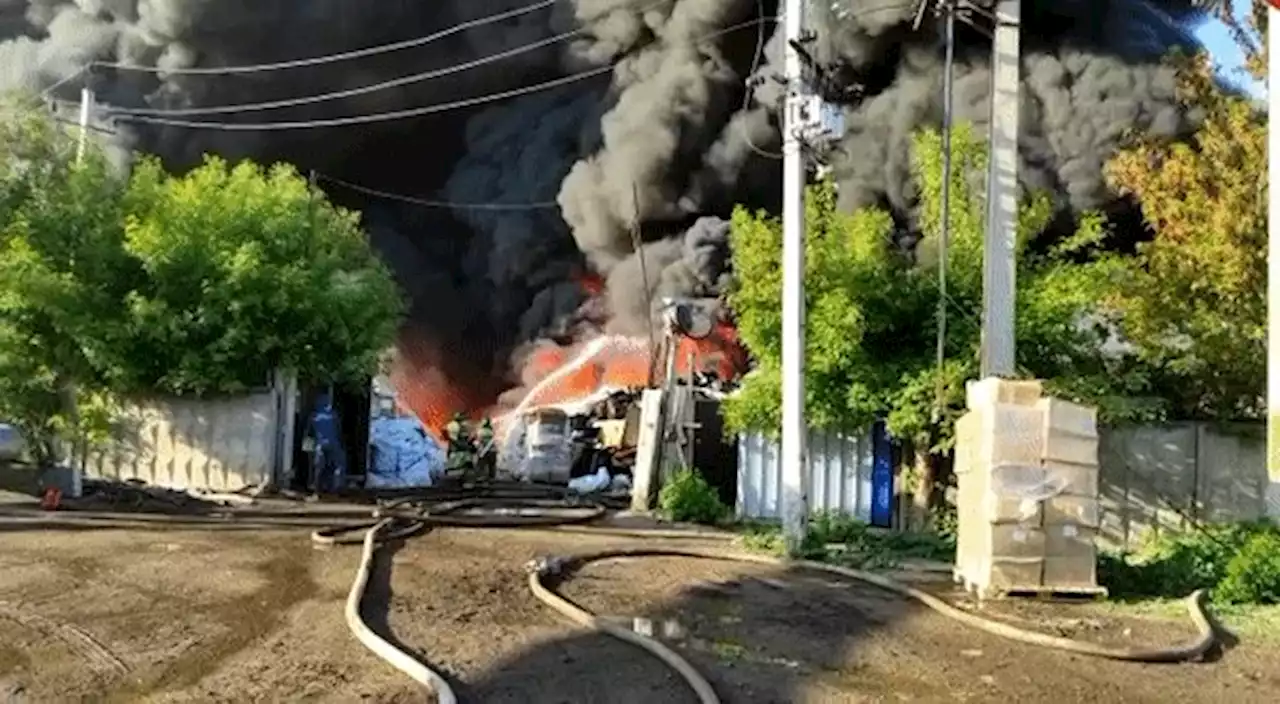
881, 477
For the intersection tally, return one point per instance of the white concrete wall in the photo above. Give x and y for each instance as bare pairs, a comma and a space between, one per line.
219, 445
1163, 477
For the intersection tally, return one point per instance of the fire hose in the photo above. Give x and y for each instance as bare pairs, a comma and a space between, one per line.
413, 514
545, 573
410, 515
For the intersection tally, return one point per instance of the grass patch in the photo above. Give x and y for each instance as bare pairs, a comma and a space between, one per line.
840, 539
729, 651
1251, 622
1239, 563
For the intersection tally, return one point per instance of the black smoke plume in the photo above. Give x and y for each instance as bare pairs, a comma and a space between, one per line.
658, 148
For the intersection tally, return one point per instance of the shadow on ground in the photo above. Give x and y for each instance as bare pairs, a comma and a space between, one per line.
459, 598
759, 635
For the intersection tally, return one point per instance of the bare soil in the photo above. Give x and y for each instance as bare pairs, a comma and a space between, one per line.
161, 613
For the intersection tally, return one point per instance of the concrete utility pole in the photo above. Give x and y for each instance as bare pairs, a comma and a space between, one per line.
944, 238
795, 431
86, 111
1273, 265
999, 267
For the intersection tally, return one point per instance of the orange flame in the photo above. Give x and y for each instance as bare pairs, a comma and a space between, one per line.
720, 352
592, 283
424, 388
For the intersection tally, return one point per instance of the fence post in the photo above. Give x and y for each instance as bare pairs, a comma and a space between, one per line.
284, 387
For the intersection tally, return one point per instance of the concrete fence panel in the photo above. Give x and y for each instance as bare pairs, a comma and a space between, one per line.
220, 445
1164, 478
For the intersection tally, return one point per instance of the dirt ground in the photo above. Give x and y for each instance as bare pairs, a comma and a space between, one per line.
243, 614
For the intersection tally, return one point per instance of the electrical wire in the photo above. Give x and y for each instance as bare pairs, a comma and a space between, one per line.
143, 116
410, 112
47, 93
367, 118
362, 90
333, 58
451, 205
351, 92
756, 59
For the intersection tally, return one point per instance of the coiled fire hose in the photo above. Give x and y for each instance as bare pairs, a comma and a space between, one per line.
545, 573
421, 511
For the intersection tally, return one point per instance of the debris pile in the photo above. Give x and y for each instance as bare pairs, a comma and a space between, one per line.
591, 444
136, 496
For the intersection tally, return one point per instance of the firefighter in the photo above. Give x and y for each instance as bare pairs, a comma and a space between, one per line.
486, 452
461, 453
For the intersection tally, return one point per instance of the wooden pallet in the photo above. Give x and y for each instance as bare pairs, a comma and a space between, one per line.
1039, 593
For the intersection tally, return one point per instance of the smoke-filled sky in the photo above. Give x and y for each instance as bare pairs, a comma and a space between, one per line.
669, 138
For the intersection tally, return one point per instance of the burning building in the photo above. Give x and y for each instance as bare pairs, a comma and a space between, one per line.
564, 212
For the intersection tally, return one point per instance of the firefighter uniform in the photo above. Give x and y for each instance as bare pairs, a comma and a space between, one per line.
486, 451
461, 454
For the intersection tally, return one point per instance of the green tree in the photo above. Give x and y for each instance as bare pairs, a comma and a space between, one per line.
200, 284
1193, 302
872, 308
246, 270
63, 274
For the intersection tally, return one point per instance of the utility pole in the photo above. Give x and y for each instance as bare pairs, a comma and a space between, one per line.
944, 238
999, 254
795, 431
1273, 265
86, 111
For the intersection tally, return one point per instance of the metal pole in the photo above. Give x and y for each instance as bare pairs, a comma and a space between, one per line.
1273, 267
944, 234
86, 109
999, 269
637, 244
795, 494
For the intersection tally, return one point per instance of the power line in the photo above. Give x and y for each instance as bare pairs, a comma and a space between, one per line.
449, 205
369, 118
352, 92
756, 59
407, 113
334, 58
141, 116
47, 93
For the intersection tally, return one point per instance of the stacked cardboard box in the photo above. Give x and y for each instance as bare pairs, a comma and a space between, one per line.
1071, 516
1027, 475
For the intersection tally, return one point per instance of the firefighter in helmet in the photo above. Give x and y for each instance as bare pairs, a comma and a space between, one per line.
486, 452
461, 454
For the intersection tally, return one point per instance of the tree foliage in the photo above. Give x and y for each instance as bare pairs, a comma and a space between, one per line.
1193, 302
62, 272
200, 284
247, 270
872, 307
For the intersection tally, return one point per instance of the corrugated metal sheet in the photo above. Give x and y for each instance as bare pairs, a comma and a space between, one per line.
211, 445
840, 467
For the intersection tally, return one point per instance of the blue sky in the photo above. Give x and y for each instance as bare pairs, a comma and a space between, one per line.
1216, 38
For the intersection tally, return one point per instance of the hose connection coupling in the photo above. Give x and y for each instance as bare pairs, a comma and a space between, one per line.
548, 566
